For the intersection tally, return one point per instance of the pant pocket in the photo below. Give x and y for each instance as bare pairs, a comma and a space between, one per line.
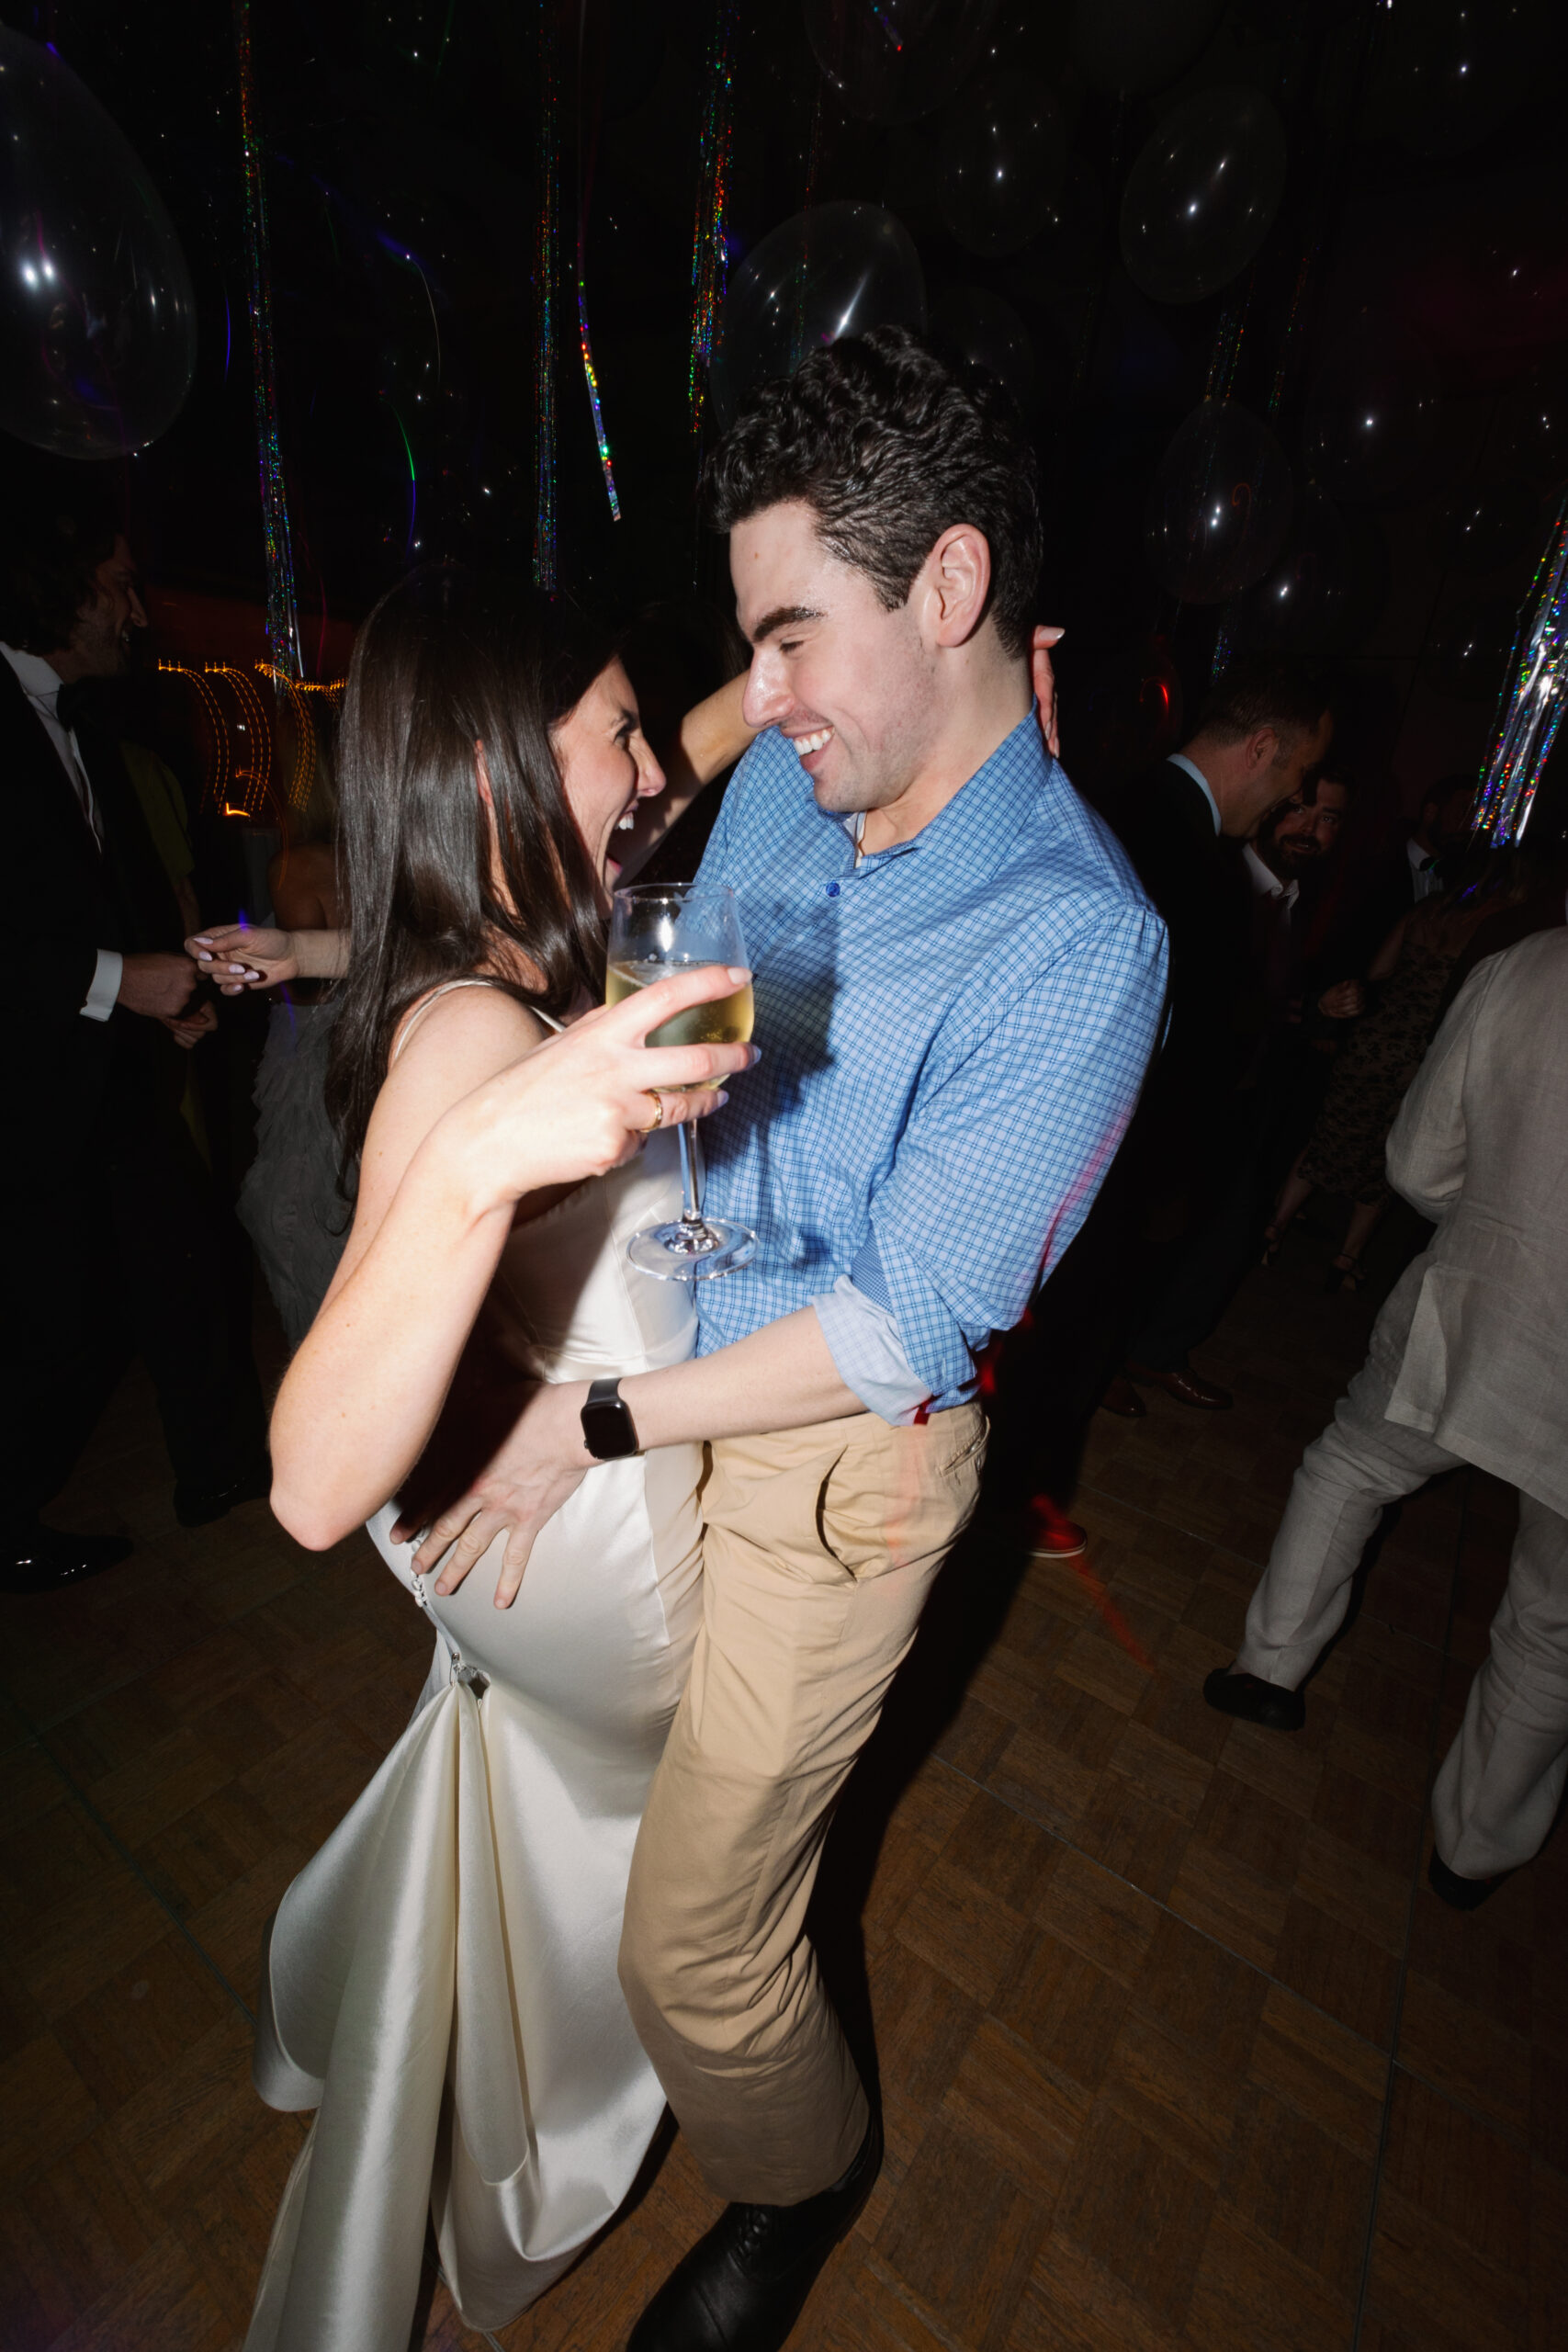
900, 1498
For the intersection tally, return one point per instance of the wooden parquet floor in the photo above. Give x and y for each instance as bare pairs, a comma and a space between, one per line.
1175, 2048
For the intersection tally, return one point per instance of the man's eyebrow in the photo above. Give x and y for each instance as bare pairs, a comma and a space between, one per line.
784, 617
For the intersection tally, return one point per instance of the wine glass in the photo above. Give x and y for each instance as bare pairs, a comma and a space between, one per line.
654, 931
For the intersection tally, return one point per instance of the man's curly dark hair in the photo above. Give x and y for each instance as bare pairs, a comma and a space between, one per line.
889, 447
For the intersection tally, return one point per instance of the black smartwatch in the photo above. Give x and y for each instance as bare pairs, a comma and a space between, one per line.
608, 1429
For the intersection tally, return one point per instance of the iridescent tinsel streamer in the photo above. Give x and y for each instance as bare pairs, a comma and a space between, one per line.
1227, 352
592, 382
1532, 707
584, 194
813, 163
708, 254
544, 236
1292, 326
282, 622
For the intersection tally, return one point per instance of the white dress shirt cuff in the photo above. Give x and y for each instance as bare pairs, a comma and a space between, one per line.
863, 1341
102, 996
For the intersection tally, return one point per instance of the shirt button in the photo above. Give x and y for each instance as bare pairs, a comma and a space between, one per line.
833, 889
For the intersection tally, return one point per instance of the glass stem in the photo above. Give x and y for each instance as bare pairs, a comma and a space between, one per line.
692, 1209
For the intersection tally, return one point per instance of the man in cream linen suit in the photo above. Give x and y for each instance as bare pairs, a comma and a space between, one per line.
1468, 1363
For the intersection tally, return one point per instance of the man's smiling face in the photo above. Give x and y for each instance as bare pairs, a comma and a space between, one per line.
850, 684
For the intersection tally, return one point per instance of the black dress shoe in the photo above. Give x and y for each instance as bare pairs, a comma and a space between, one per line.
1462, 1893
741, 2287
199, 1506
41, 1559
1188, 1387
1254, 1701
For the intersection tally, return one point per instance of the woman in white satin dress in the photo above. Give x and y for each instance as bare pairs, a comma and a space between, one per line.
440, 1981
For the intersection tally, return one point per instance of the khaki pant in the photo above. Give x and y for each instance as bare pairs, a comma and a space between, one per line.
819, 1549
1498, 1790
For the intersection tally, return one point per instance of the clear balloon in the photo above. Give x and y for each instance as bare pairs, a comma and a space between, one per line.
1531, 431
836, 270
1203, 195
1003, 156
980, 328
97, 314
893, 61
1220, 506
1301, 604
1372, 416
1070, 254
1467, 655
1483, 529
1455, 68
1035, 36
1127, 47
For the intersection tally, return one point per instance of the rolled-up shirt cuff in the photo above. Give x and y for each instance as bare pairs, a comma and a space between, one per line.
104, 993
863, 1341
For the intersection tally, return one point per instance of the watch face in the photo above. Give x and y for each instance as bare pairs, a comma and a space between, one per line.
608, 1428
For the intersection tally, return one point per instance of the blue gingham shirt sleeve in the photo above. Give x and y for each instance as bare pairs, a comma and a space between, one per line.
1002, 1157
867, 1351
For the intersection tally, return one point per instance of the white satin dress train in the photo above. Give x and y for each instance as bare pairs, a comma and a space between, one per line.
440, 1983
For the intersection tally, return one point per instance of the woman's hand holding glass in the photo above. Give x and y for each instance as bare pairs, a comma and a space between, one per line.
582, 1103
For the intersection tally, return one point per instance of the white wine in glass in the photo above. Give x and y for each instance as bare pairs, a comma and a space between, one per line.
725, 1022
655, 930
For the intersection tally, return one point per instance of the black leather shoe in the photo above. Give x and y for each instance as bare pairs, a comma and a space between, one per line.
741, 2287
1188, 1387
1462, 1893
199, 1506
1254, 1701
42, 1559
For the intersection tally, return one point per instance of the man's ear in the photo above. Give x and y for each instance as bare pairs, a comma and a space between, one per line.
1262, 749
956, 582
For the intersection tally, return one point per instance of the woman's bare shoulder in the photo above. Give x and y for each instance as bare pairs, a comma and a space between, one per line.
472, 1022
457, 1041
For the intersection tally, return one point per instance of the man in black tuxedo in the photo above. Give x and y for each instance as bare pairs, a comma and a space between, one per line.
1263, 731
112, 1237
1144, 1262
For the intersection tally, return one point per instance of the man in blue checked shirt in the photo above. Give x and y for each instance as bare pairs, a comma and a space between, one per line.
959, 985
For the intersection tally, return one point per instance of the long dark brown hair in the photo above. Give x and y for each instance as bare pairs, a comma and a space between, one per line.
449, 659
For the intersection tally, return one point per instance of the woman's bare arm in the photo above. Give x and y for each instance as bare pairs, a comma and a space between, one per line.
475, 1115
238, 957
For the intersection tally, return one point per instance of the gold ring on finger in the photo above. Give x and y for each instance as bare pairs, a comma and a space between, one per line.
658, 1118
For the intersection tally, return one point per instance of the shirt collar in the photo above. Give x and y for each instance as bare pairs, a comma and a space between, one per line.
34, 674
1264, 879
1180, 760
977, 825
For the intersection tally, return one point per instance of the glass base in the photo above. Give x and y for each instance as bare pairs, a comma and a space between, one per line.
682, 1253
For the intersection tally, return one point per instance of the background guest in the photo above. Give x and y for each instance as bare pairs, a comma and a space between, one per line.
1466, 1364
1402, 873
112, 1216
1265, 727
1262, 731
289, 1203
1345, 1152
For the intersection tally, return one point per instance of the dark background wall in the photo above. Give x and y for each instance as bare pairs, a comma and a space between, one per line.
400, 139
